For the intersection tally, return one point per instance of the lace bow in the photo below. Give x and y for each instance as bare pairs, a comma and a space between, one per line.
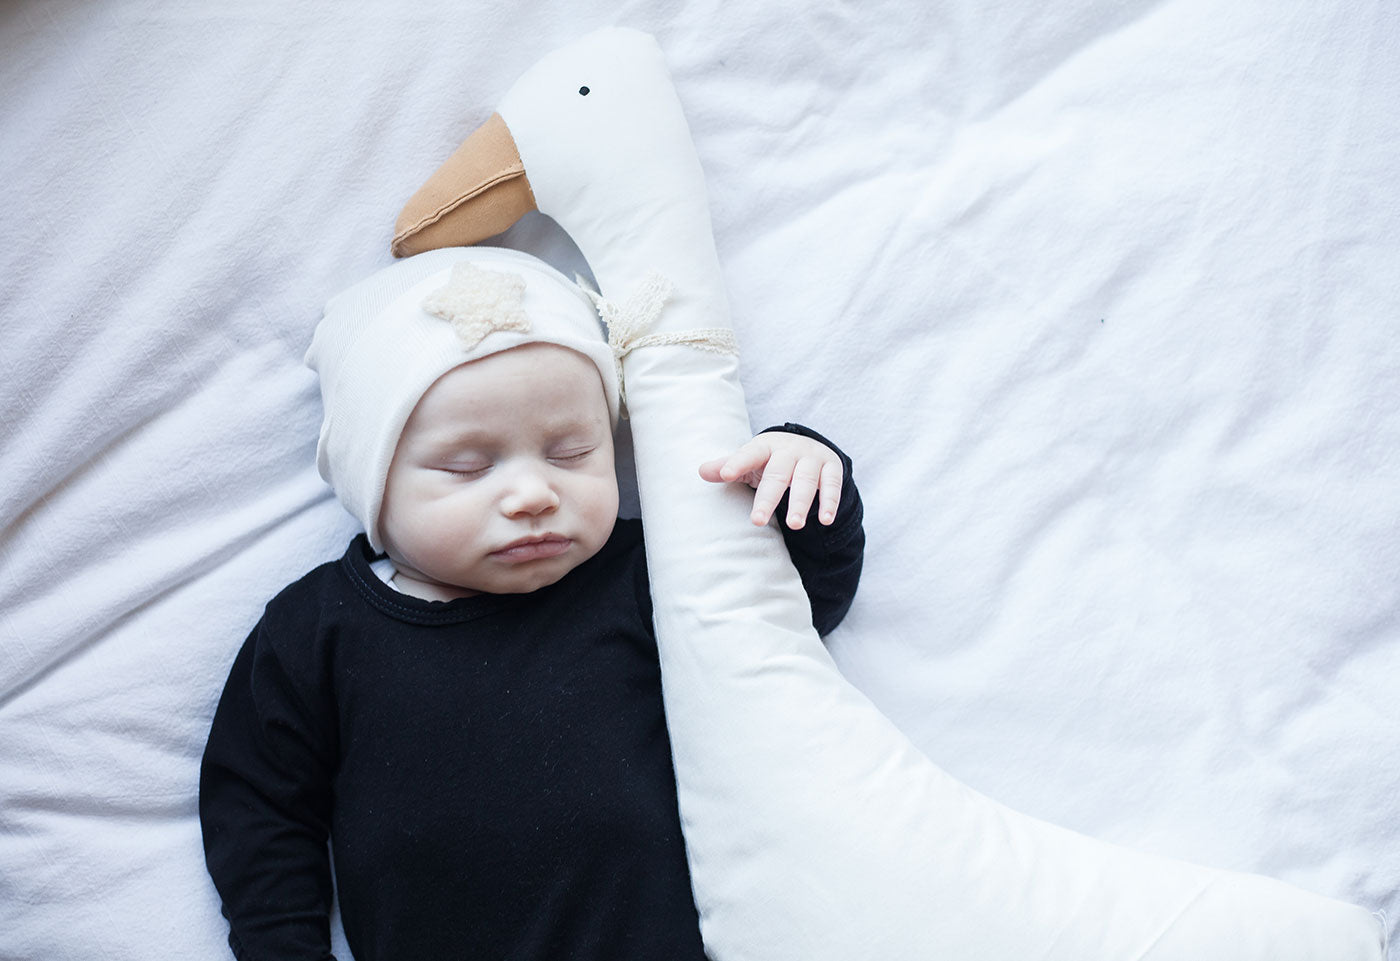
629, 321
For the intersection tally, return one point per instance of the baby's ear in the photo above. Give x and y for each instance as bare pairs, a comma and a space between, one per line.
477, 193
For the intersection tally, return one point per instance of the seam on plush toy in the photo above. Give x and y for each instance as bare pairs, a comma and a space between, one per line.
1190, 903
501, 176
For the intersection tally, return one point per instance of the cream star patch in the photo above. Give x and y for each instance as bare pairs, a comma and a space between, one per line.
478, 302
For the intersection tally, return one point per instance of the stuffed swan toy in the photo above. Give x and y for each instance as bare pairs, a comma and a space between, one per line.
815, 829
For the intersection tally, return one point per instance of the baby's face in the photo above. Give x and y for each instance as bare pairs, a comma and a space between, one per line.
503, 480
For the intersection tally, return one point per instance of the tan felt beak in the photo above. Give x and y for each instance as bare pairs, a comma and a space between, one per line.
479, 192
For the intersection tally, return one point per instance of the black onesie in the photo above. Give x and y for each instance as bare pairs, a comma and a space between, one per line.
493, 772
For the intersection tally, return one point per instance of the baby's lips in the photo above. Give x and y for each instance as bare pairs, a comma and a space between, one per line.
533, 548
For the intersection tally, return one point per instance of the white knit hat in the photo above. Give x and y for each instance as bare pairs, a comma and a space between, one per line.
382, 343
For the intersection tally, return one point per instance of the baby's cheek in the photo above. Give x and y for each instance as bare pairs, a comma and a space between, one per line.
605, 501
441, 525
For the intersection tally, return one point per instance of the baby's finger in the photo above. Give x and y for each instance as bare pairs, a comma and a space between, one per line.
805, 478
749, 459
832, 475
733, 467
710, 470
776, 477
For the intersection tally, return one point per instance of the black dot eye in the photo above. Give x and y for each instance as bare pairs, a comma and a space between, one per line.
583, 91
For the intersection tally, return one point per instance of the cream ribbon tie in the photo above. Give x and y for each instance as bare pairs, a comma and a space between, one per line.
629, 321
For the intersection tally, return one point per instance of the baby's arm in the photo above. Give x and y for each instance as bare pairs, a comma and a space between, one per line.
264, 806
805, 480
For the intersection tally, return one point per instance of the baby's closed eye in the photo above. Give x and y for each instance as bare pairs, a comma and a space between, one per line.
471, 468
572, 454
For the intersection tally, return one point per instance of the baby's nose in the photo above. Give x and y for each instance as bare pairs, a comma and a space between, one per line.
530, 494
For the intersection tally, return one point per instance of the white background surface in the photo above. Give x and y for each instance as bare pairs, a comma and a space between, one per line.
1102, 300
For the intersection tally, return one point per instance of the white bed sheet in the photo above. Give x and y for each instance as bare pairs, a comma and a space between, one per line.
1102, 298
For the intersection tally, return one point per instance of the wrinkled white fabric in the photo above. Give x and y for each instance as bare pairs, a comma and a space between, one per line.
1100, 297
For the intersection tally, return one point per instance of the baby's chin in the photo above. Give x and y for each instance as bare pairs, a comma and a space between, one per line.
520, 580
532, 576
531, 579
492, 577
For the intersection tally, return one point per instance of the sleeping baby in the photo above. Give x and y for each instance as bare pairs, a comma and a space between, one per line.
467, 704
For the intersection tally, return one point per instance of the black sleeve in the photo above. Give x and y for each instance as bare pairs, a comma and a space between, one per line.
828, 558
264, 807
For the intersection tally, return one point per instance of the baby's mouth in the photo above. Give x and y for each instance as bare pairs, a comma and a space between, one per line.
533, 548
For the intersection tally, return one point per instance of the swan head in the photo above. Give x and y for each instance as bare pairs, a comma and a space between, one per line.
592, 135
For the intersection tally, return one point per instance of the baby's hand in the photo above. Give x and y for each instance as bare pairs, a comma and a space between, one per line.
775, 461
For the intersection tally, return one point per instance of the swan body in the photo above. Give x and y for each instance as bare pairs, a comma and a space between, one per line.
815, 829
